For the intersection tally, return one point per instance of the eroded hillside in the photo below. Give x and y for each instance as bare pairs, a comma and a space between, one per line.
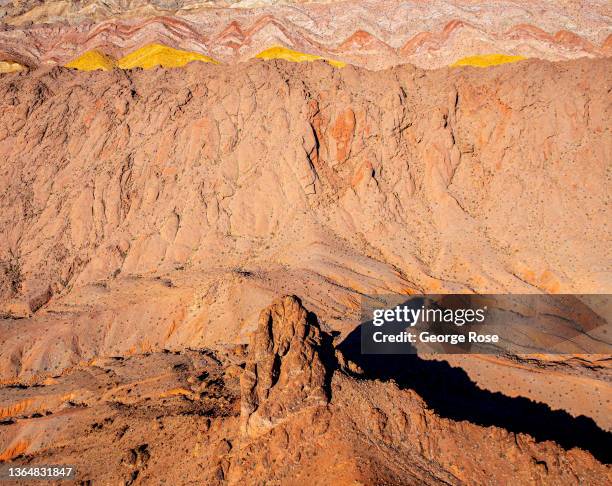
146, 213
286, 410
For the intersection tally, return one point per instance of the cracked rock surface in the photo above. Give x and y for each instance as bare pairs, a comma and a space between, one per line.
285, 373
147, 218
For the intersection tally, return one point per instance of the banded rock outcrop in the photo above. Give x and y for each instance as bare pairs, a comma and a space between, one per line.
375, 34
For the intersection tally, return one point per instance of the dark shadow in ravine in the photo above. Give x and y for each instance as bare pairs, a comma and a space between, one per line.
325, 352
452, 394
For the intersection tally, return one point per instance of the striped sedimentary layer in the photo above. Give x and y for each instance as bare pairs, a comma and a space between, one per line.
371, 34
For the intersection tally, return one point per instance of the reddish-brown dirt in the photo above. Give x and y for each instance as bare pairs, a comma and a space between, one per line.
287, 411
147, 218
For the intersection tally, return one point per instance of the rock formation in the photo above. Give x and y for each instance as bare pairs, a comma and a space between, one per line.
156, 210
373, 432
170, 170
280, 412
375, 33
285, 374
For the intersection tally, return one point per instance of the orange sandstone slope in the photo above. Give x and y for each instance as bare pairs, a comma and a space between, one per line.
151, 210
374, 34
288, 409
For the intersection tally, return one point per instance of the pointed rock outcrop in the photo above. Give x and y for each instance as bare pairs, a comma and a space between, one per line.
286, 372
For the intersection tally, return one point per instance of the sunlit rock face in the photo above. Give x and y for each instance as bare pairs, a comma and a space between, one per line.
144, 209
196, 197
373, 34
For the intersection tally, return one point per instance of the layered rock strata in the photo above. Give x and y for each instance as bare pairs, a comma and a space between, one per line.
374, 34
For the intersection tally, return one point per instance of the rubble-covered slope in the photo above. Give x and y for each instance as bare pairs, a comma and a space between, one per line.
287, 409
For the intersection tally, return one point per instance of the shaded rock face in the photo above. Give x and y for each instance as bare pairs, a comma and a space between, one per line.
285, 373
